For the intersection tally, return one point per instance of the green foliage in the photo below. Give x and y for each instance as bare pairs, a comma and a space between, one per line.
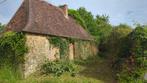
85, 69
8, 75
127, 49
118, 36
125, 77
89, 22
12, 48
83, 49
98, 27
115, 41
121, 30
77, 17
105, 30
62, 44
58, 68
1, 27
129, 63
103, 27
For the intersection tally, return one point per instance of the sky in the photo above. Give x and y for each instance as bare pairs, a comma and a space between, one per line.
119, 11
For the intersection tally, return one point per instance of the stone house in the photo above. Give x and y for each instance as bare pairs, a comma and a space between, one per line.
39, 20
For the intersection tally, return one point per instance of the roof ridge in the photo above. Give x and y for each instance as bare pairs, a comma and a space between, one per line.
53, 6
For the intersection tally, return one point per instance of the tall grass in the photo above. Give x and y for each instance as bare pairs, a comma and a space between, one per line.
87, 74
8, 75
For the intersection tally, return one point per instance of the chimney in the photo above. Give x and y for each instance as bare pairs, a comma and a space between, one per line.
65, 10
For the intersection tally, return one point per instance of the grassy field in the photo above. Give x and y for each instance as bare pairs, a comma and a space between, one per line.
94, 70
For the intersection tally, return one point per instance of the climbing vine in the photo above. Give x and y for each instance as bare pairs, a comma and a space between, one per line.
62, 44
82, 48
12, 48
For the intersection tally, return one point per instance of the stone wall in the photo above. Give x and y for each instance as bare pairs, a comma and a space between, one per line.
40, 50
84, 49
71, 52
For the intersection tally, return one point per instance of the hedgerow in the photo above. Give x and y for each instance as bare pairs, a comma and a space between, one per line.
130, 64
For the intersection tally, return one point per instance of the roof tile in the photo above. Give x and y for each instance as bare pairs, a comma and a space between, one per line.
40, 17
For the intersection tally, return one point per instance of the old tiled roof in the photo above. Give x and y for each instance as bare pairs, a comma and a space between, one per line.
40, 17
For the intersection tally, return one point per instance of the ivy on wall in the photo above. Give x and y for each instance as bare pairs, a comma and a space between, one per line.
12, 48
82, 48
62, 44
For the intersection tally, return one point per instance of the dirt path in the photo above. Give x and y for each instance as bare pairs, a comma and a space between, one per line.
99, 69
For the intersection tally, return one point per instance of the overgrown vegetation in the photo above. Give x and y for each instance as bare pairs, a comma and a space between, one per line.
98, 27
124, 47
78, 18
8, 75
87, 73
83, 49
62, 44
128, 53
12, 48
121, 44
59, 67
132, 60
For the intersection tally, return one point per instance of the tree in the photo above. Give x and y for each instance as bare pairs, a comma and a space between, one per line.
98, 27
89, 22
77, 17
130, 60
114, 40
103, 26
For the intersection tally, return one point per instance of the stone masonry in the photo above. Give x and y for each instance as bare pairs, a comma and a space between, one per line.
40, 50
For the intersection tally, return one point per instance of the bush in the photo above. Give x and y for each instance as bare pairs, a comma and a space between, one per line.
58, 68
12, 48
131, 66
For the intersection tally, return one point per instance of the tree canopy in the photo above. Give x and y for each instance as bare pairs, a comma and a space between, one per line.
98, 26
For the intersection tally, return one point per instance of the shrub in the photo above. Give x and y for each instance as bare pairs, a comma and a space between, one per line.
131, 66
12, 48
58, 68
